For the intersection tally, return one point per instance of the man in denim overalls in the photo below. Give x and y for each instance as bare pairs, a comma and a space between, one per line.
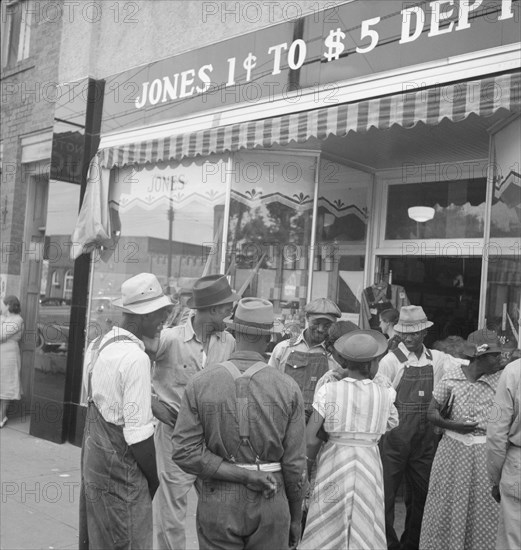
118, 463
306, 359
408, 450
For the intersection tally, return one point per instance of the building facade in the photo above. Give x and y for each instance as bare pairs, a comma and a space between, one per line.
364, 151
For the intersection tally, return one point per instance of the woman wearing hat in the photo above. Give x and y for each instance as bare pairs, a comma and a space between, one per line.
460, 511
347, 503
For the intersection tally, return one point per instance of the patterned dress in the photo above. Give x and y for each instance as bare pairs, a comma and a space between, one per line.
347, 504
460, 512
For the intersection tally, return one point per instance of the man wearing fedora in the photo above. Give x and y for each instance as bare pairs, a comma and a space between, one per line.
183, 351
241, 432
306, 359
408, 450
119, 476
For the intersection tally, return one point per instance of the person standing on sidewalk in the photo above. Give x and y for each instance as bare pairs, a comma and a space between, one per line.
118, 465
11, 331
408, 450
183, 351
306, 359
504, 455
241, 431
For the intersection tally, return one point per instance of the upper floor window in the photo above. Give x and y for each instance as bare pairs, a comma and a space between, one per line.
16, 31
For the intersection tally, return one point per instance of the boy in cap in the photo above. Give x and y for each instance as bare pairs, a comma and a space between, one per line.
118, 455
183, 351
241, 431
305, 359
408, 450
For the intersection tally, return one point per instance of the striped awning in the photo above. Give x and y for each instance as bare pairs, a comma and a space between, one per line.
430, 106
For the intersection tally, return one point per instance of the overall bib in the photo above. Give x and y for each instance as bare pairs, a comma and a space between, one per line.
229, 515
408, 451
115, 504
306, 369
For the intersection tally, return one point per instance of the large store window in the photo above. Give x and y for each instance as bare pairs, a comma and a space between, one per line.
171, 217
503, 251
341, 233
269, 229
459, 209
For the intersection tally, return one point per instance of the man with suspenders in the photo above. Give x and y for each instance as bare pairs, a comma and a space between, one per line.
408, 450
241, 431
118, 465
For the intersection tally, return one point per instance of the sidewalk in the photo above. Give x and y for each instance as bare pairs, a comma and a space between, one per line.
40, 488
40, 484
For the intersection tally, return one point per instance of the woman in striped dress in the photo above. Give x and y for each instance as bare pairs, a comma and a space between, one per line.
347, 504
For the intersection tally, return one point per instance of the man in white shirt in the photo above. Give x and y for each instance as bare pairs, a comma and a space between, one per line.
408, 450
119, 475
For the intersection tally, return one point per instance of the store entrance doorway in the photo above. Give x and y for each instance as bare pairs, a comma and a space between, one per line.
446, 287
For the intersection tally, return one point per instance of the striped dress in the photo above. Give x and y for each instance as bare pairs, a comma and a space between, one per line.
347, 504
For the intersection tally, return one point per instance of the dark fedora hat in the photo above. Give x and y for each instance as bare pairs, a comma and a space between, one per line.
212, 290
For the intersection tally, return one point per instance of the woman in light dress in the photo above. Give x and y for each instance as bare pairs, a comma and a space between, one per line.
11, 330
347, 504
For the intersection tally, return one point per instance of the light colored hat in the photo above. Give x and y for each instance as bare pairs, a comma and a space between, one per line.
361, 346
253, 316
142, 294
323, 308
481, 342
412, 319
212, 290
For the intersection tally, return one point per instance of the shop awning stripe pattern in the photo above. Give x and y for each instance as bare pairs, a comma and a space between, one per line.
454, 102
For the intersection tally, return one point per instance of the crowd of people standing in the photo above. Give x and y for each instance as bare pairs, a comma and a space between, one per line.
307, 449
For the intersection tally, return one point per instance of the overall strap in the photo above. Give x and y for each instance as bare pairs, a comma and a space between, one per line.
398, 353
96, 350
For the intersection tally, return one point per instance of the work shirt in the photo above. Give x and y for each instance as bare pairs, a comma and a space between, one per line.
207, 430
181, 355
283, 349
504, 428
390, 369
121, 384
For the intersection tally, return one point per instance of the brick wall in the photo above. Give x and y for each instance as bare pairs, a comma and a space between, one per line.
27, 102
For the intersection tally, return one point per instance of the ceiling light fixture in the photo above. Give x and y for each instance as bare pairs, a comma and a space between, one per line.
421, 214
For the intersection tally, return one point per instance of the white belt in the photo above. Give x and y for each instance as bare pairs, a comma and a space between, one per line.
467, 439
353, 442
267, 467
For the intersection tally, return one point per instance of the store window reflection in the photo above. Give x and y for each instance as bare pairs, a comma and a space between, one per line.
269, 229
171, 225
340, 244
56, 274
459, 209
504, 297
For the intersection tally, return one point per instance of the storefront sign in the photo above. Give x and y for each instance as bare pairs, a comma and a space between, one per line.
349, 41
